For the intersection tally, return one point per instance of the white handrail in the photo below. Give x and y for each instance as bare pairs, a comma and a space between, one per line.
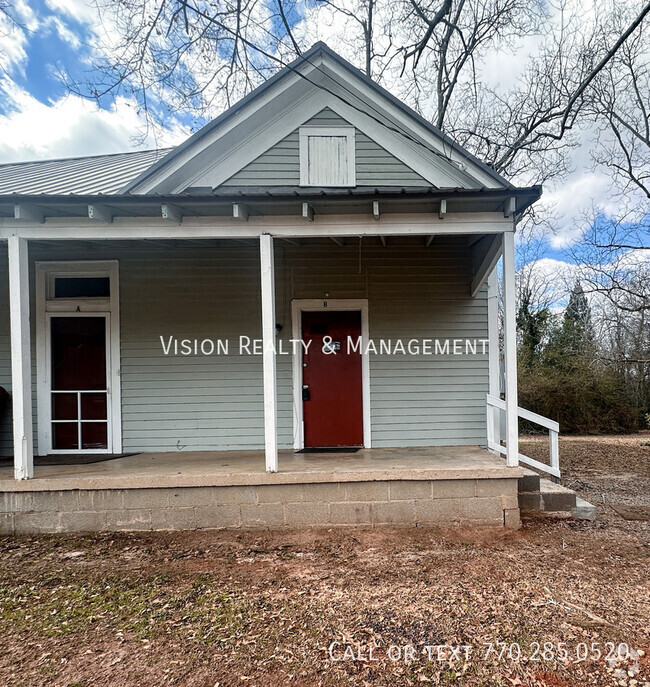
494, 442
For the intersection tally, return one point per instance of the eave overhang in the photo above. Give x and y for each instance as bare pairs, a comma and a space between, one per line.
262, 201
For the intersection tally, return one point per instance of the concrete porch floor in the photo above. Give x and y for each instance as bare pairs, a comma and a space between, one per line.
245, 468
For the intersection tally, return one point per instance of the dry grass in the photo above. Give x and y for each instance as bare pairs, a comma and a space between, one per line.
207, 608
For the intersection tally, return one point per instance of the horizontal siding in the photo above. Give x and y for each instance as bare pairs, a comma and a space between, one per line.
280, 165
413, 293
211, 290
176, 402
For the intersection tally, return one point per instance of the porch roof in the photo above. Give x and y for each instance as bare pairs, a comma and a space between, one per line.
274, 200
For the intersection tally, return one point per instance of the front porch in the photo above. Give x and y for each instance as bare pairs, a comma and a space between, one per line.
428, 486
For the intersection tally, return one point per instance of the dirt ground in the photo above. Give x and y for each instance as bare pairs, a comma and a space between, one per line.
555, 604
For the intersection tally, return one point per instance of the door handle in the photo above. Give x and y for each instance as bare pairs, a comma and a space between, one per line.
305, 393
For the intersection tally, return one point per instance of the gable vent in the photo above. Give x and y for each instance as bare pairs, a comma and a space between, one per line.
327, 156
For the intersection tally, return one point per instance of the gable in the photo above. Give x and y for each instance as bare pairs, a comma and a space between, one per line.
280, 164
254, 141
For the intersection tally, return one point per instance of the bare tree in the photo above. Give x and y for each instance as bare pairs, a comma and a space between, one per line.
621, 106
186, 55
614, 261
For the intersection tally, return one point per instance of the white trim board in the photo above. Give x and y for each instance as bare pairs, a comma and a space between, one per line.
282, 226
298, 306
78, 308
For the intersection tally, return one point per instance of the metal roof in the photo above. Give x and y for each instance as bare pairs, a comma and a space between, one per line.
93, 175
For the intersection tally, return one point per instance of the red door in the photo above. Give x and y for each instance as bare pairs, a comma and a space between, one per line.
332, 395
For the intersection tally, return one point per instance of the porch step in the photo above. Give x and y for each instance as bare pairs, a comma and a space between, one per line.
583, 510
529, 483
555, 497
541, 496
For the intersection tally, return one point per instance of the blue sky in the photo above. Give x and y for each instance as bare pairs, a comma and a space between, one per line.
39, 118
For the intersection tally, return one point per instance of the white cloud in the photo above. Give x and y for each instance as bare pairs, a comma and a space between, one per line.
81, 10
576, 202
12, 46
72, 126
549, 280
14, 36
62, 30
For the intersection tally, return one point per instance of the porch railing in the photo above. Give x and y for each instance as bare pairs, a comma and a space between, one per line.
496, 409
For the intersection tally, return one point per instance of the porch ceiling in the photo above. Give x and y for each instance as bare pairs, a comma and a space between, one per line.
230, 468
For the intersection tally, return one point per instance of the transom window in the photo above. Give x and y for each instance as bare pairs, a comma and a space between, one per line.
327, 156
81, 287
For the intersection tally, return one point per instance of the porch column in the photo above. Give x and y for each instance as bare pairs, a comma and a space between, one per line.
494, 362
268, 359
21, 364
510, 349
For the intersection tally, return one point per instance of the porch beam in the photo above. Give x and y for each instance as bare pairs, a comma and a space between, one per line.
268, 354
485, 257
397, 224
510, 350
21, 364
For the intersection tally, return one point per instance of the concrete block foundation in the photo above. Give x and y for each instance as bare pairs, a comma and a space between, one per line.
369, 503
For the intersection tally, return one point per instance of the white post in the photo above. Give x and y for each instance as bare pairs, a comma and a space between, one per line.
510, 348
554, 447
268, 338
21, 364
494, 366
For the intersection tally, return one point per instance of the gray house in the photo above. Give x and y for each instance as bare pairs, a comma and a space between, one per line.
291, 318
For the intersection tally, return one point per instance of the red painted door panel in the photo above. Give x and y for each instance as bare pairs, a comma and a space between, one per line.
332, 391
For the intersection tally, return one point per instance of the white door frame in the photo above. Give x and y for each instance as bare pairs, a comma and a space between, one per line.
107, 307
298, 306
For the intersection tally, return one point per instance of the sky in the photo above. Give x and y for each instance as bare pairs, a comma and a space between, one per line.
40, 119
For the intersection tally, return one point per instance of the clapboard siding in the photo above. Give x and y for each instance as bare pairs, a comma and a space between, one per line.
412, 292
211, 290
280, 165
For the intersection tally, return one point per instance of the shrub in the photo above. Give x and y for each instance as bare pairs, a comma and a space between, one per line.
584, 398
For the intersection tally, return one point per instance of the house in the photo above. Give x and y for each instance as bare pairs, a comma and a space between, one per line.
289, 319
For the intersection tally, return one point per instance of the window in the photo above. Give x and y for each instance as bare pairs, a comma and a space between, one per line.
82, 287
327, 156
